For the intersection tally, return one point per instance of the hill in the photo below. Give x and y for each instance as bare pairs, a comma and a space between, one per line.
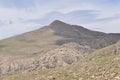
56, 45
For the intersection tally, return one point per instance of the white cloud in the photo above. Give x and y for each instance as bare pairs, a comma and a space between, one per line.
109, 26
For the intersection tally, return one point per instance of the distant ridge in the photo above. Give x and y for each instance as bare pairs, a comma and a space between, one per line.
56, 34
56, 45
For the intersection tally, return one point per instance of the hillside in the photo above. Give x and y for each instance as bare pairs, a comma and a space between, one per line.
56, 45
103, 64
61, 56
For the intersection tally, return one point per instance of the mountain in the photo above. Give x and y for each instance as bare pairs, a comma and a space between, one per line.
103, 64
82, 35
54, 35
56, 45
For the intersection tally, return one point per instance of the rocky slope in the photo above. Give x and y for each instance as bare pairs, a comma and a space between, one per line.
61, 56
83, 36
103, 64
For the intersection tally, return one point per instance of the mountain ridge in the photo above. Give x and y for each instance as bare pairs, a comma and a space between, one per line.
54, 35
58, 33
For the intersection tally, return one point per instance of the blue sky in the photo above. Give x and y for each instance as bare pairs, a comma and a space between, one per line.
19, 16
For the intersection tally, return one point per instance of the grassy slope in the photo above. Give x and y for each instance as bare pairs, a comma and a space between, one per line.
103, 64
31, 42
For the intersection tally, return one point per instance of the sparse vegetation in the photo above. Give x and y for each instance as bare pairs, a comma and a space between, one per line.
60, 52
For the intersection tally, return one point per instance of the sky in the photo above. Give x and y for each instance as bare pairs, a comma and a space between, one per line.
20, 16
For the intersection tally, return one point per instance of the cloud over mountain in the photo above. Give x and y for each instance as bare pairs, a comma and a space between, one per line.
97, 15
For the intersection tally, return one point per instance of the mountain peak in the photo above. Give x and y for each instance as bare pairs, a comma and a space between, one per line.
57, 22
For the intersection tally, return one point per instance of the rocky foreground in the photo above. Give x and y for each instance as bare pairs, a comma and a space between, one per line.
103, 64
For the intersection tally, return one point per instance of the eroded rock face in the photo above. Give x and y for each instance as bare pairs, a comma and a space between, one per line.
61, 56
